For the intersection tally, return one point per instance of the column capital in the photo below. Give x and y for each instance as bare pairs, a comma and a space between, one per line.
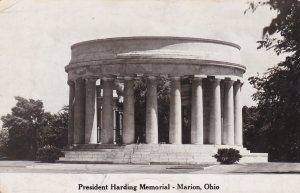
214, 79
108, 77
238, 83
71, 82
79, 80
198, 77
229, 81
129, 77
151, 77
231, 77
92, 78
174, 77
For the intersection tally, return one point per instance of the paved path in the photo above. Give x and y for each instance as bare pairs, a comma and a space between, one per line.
257, 168
34, 177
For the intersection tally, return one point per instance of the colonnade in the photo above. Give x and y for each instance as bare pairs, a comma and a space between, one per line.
83, 122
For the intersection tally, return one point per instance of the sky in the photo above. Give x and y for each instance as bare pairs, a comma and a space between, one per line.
36, 35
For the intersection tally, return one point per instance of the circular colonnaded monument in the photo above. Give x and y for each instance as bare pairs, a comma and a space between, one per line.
213, 71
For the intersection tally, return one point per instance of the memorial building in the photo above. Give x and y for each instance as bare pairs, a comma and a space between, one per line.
206, 76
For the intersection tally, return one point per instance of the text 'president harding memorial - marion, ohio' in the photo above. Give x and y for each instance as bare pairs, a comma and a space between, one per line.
206, 76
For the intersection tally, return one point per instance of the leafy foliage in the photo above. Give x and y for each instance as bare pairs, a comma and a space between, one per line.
56, 131
286, 24
22, 124
278, 90
255, 133
30, 127
48, 154
228, 156
140, 109
3, 142
163, 89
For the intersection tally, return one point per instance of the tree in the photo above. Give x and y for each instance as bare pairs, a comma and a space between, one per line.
30, 127
55, 133
278, 90
3, 142
255, 134
140, 109
163, 102
286, 24
22, 124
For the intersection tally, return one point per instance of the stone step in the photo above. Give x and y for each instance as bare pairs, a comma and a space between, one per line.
133, 160
257, 154
88, 152
185, 146
164, 158
84, 162
183, 149
171, 156
151, 148
95, 146
187, 153
152, 154
90, 156
254, 159
183, 152
145, 156
94, 153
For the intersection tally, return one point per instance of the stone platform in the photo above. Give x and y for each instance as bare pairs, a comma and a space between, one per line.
153, 154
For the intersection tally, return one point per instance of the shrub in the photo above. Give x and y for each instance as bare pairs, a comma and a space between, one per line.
48, 154
228, 156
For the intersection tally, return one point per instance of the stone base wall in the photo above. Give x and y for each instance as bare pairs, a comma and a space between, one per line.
153, 154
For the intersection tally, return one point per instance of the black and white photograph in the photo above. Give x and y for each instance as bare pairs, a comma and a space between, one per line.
149, 96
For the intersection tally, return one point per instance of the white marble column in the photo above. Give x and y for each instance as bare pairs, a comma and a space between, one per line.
175, 124
238, 120
128, 112
71, 111
197, 112
228, 122
151, 111
90, 111
107, 111
215, 113
79, 111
